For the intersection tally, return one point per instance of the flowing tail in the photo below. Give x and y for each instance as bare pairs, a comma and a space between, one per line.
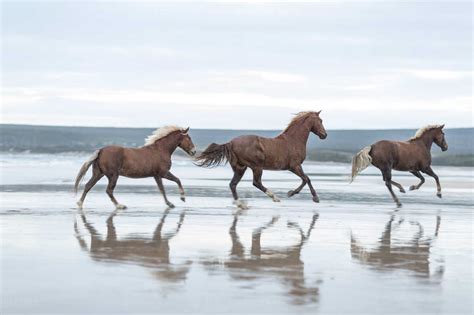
215, 154
360, 162
84, 168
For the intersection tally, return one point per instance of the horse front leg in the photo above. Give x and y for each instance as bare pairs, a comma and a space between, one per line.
159, 182
175, 179
257, 182
298, 171
305, 177
422, 180
430, 172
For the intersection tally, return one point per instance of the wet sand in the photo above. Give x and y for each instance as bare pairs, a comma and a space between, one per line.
352, 253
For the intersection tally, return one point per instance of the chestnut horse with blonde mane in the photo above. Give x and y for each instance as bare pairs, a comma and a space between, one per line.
287, 151
412, 156
151, 160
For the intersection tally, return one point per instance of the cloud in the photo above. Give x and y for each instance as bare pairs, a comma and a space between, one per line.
437, 74
274, 76
114, 97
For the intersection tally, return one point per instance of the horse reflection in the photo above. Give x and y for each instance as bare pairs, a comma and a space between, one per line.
285, 263
411, 254
153, 253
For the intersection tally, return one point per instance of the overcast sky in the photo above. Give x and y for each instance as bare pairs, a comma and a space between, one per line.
237, 65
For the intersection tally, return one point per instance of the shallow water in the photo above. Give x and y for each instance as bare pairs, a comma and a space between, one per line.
351, 253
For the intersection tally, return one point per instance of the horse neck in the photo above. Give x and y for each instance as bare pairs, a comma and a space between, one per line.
298, 133
168, 143
426, 140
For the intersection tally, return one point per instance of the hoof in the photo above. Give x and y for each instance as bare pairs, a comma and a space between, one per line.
316, 199
169, 204
240, 204
402, 190
439, 195
412, 187
291, 193
120, 207
270, 194
79, 205
399, 205
183, 199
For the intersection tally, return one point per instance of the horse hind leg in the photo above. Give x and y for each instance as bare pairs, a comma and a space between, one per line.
96, 176
257, 182
239, 171
399, 186
387, 177
110, 191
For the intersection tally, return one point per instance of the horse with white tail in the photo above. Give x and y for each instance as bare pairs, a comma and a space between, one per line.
151, 160
412, 156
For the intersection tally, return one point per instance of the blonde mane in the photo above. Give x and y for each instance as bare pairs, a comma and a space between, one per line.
297, 118
161, 133
422, 131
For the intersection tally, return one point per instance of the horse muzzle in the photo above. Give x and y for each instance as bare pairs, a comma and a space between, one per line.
192, 152
323, 136
445, 148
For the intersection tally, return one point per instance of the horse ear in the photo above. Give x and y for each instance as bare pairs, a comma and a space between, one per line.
319, 112
185, 131
441, 127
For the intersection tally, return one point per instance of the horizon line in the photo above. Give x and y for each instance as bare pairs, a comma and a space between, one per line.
146, 127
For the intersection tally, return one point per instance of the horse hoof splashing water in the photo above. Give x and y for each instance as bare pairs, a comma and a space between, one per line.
412, 156
287, 151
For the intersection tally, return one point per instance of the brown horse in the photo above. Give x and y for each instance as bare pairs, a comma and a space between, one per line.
287, 151
151, 160
413, 156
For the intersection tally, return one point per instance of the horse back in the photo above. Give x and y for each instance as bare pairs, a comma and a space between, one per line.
399, 155
255, 151
133, 162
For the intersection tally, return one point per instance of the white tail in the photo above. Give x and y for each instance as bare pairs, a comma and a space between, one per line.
84, 168
361, 161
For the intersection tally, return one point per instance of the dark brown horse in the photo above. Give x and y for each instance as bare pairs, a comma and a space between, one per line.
287, 151
412, 156
151, 160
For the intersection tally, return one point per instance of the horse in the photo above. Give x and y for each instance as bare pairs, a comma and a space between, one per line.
151, 160
287, 151
412, 156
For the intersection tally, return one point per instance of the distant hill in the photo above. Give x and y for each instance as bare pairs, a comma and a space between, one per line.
339, 146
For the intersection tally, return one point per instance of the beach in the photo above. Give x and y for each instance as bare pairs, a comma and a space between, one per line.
354, 252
